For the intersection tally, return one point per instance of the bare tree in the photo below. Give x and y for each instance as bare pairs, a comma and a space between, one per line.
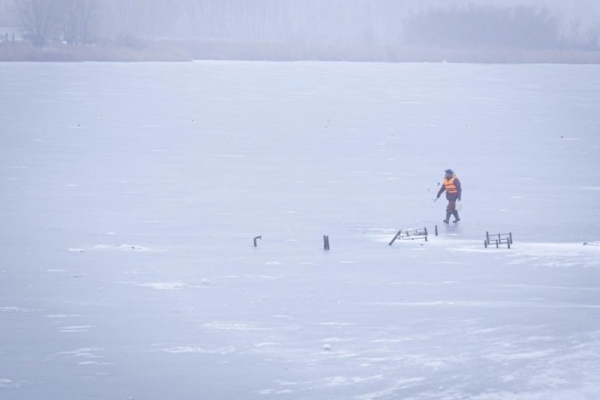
574, 31
592, 36
38, 18
483, 26
76, 20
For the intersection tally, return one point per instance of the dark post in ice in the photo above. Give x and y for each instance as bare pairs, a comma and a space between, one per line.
325, 242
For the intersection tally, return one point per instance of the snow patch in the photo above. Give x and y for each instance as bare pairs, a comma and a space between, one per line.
390, 341
75, 329
521, 355
85, 352
162, 285
58, 316
274, 391
333, 323
15, 310
266, 344
9, 384
337, 340
199, 350
123, 247
233, 326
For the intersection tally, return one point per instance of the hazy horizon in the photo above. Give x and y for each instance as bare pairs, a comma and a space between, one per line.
289, 20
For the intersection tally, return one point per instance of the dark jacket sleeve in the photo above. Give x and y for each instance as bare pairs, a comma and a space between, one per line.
458, 188
442, 190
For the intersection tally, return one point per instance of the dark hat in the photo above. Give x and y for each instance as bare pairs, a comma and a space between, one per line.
449, 171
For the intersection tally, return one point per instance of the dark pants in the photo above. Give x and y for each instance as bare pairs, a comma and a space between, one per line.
451, 206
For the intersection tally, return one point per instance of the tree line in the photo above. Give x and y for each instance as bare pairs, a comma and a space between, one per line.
333, 21
371, 22
493, 26
42, 20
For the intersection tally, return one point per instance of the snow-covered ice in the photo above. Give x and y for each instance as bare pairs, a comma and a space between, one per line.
131, 195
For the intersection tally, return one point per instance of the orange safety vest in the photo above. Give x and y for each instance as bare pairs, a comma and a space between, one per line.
449, 184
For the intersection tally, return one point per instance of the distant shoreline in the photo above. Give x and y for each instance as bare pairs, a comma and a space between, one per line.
185, 51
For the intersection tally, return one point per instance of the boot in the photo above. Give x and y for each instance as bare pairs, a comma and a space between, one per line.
456, 218
447, 218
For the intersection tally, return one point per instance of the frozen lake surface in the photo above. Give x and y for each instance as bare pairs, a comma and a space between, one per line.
131, 194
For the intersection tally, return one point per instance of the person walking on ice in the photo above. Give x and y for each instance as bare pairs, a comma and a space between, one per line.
453, 191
